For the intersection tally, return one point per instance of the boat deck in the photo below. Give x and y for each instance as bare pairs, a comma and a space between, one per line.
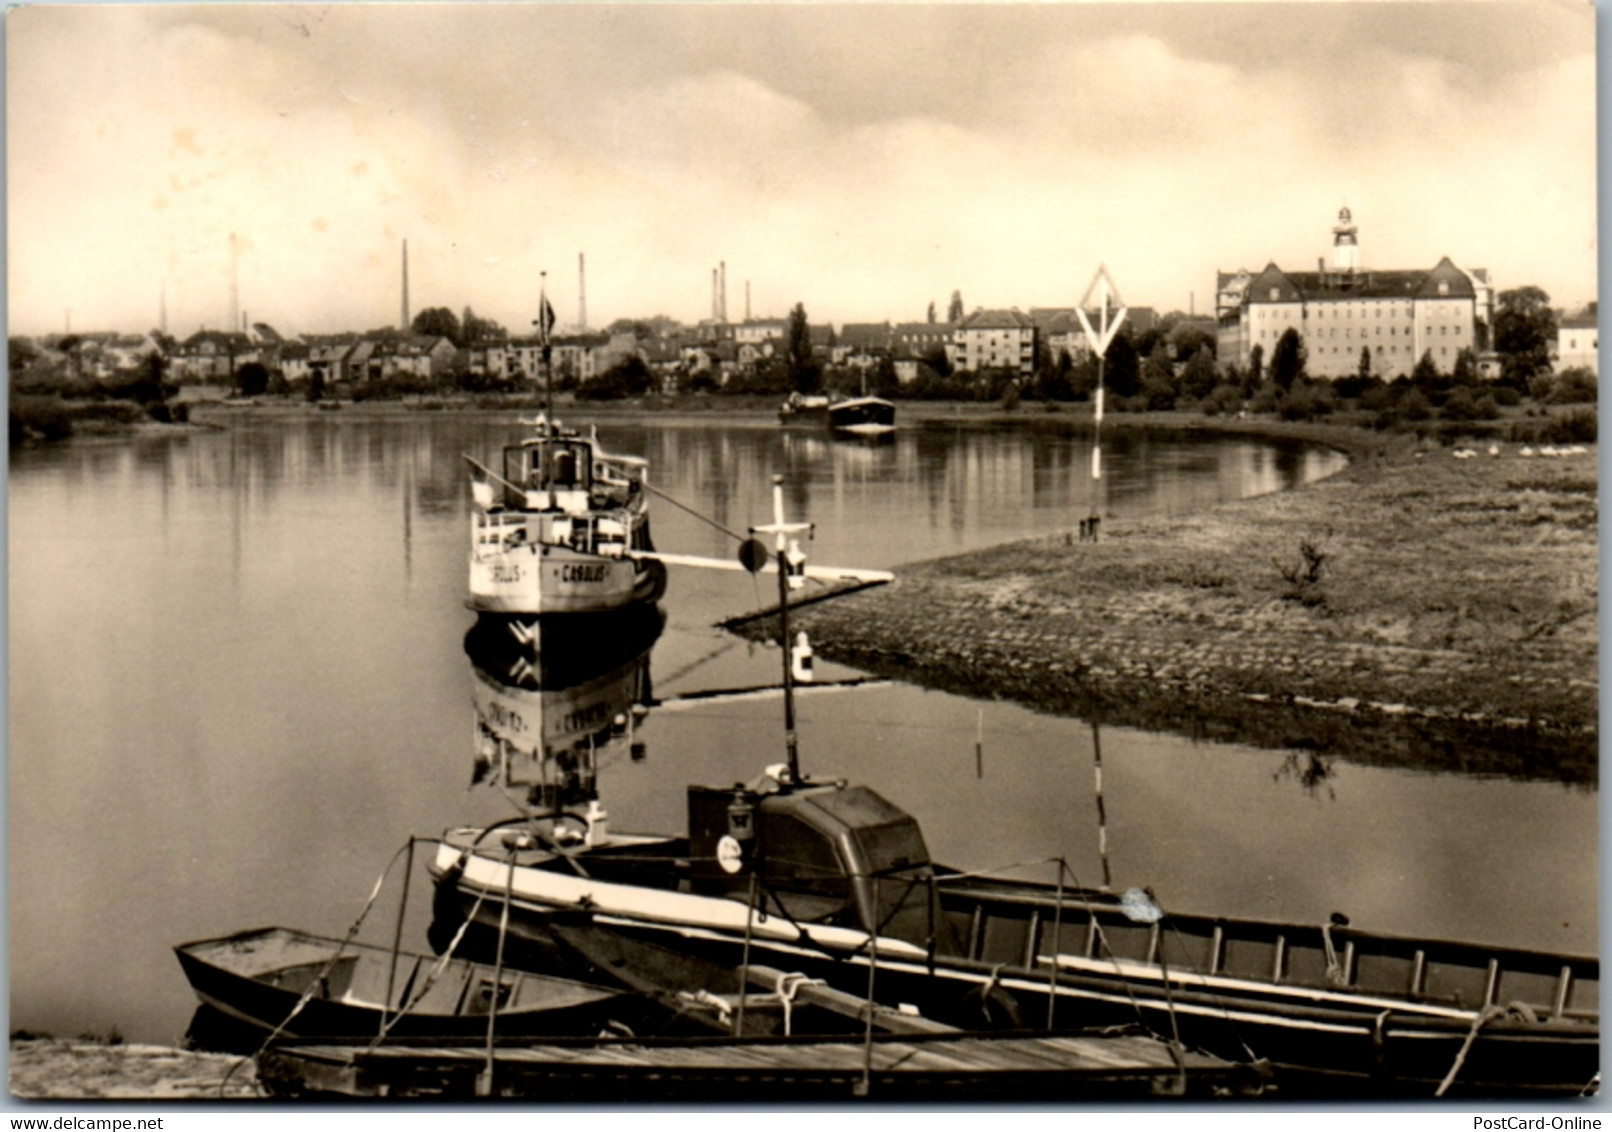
1075, 1066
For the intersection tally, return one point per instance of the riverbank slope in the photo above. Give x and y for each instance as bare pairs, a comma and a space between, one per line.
1420, 609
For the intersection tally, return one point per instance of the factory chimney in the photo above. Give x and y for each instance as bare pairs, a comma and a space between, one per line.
724, 314
716, 314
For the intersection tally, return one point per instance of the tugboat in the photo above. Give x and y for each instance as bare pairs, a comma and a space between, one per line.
862, 416
804, 409
557, 529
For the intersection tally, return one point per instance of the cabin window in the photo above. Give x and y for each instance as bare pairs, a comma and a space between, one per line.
898, 845
801, 860
517, 474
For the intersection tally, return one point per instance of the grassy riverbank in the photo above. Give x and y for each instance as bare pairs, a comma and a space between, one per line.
1417, 609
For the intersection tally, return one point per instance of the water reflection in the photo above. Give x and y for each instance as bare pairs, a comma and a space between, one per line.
556, 698
1312, 772
320, 563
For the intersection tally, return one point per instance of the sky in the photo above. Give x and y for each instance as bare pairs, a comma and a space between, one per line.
863, 160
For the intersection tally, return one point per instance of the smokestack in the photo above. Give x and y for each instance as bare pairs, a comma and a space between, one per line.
582, 292
724, 290
234, 284
405, 326
716, 313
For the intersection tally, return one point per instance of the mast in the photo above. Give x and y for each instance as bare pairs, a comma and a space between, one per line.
546, 324
781, 545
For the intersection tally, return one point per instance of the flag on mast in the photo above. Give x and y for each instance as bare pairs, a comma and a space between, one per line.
545, 322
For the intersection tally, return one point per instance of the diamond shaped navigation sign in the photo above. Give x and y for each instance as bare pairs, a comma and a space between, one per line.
1104, 334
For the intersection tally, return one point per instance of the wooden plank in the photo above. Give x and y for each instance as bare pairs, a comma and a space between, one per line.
848, 1005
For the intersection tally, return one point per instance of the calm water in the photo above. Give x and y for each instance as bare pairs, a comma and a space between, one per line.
238, 684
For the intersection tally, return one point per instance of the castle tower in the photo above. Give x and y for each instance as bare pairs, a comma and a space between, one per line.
1345, 244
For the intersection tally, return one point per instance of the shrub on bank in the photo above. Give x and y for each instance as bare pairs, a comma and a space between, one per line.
46, 418
1579, 426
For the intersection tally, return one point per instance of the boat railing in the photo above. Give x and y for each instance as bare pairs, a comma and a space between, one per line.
1019, 929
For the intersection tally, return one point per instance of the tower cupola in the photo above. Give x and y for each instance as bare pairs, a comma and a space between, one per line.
1345, 243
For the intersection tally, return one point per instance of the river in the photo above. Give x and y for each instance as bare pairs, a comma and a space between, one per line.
238, 684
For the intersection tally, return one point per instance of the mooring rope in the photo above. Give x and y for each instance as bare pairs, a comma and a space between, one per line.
1486, 1015
316, 983
684, 507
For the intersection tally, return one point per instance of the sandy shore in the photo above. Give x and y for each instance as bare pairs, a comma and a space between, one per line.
49, 1069
1450, 620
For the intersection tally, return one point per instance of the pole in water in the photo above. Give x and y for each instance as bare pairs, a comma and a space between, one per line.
1102, 817
979, 745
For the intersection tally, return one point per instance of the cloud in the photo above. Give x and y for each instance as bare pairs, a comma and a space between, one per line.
861, 159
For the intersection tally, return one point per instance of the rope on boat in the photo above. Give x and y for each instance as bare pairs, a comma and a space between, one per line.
1057, 934
787, 987
315, 984
744, 963
863, 1087
1485, 1016
439, 967
498, 965
684, 507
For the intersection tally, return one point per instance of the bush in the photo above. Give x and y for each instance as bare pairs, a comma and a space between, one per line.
1576, 427
44, 417
1158, 394
1306, 401
1266, 398
1575, 386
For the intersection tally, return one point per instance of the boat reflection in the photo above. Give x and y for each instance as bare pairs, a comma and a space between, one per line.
554, 698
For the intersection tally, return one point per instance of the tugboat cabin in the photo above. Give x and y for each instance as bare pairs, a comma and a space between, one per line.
562, 473
832, 854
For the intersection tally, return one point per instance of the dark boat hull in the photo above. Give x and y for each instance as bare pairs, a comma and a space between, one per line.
1316, 1048
566, 1007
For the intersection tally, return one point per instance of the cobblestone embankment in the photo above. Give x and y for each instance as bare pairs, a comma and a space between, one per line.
1451, 622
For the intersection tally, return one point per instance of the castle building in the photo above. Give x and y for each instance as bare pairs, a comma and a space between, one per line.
1344, 308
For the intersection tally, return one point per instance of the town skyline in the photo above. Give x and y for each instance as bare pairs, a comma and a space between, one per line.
886, 158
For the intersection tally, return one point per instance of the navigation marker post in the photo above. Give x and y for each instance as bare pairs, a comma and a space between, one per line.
1099, 338
791, 563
